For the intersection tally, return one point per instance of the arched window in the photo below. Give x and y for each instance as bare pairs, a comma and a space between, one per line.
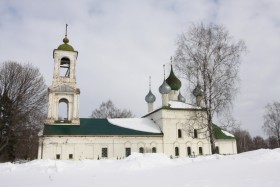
63, 110
141, 150
179, 133
64, 67
154, 150
176, 151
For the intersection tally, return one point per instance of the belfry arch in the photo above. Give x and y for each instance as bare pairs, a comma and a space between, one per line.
64, 70
63, 110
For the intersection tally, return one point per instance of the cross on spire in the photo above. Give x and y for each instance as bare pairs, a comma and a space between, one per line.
149, 82
164, 71
66, 30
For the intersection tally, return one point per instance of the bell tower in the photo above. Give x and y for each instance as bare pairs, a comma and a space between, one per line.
63, 89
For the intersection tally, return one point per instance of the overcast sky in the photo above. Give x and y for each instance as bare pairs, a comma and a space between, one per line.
121, 43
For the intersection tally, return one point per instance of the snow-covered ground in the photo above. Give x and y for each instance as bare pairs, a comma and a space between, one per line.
252, 169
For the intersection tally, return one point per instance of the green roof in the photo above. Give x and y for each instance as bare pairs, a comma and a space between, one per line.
173, 81
91, 126
65, 46
218, 133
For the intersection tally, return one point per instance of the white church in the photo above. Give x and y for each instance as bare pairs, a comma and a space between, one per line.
176, 129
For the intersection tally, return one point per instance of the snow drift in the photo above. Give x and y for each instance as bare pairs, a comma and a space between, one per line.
255, 169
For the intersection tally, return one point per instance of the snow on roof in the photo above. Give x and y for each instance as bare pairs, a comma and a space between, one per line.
227, 133
139, 124
181, 105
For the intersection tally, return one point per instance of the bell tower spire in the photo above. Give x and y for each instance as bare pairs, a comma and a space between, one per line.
64, 89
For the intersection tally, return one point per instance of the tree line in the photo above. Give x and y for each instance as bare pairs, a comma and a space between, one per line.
245, 142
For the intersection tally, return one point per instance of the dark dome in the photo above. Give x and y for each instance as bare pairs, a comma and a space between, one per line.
173, 81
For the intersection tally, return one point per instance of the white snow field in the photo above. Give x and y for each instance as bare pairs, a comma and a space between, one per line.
252, 169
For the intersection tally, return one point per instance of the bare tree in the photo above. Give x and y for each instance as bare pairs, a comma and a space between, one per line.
207, 55
243, 140
259, 142
108, 110
195, 125
272, 121
272, 142
23, 97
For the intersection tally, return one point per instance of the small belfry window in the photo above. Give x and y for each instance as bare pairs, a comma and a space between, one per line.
179, 133
65, 67
154, 150
195, 133
104, 152
141, 150
176, 151
127, 151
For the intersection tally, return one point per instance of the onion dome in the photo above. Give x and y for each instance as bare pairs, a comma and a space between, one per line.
65, 46
150, 97
198, 91
164, 88
173, 81
181, 98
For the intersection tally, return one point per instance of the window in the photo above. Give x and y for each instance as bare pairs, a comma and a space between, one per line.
176, 151
217, 150
141, 150
63, 107
127, 151
189, 150
200, 151
104, 152
70, 156
58, 156
179, 133
154, 150
65, 67
195, 133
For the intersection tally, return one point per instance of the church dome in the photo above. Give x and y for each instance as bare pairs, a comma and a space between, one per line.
150, 97
164, 88
173, 81
181, 98
198, 90
65, 46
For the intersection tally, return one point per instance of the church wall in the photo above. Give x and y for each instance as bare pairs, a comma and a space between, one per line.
91, 147
171, 121
226, 146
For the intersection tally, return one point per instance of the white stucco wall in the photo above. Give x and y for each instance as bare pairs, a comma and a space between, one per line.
226, 146
90, 147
